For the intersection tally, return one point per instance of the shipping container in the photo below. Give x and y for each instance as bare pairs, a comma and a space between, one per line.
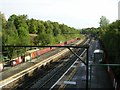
39, 52
20, 59
33, 55
43, 51
27, 58
13, 63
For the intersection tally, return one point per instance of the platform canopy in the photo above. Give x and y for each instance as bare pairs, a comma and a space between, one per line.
98, 51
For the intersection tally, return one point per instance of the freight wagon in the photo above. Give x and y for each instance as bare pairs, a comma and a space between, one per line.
31, 54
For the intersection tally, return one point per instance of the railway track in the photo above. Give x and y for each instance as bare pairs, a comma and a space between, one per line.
47, 79
31, 84
40, 75
55, 74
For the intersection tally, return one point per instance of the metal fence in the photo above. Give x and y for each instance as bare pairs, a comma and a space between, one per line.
100, 76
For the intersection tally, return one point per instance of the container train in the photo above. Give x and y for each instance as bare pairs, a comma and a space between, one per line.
32, 54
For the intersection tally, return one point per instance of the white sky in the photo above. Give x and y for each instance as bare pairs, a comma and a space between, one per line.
74, 13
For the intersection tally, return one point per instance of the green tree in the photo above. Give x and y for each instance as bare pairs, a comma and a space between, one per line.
2, 20
32, 26
41, 27
22, 29
56, 29
104, 22
111, 39
23, 35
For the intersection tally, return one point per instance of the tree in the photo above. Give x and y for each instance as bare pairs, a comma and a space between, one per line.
111, 39
2, 20
32, 26
41, 28
22, 28
56, 29
23, 35
104, 22
18, 27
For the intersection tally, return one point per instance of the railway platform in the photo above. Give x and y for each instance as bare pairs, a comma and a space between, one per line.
98, 76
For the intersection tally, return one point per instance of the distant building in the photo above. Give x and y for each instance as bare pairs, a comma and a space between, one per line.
119, 10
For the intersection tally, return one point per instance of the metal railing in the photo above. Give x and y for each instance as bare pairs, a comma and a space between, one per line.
114, 81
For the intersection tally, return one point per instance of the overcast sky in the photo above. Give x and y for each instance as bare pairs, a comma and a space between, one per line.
74, 13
